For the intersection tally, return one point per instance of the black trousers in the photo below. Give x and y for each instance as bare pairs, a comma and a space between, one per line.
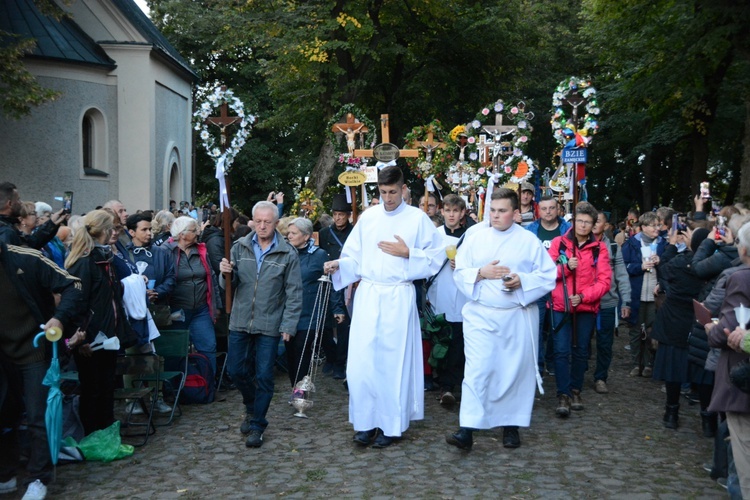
452, 374
97, 377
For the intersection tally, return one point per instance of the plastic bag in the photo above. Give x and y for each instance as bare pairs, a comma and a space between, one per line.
105, 445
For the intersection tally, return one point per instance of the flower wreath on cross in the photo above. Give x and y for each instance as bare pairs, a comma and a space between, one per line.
562, 125
343, 158
466, 172
308, 205
517, 167
213, 102
442, 158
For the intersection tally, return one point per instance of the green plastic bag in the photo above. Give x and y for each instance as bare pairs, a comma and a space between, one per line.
104, 445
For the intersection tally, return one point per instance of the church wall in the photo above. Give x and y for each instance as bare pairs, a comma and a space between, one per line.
42, 153
172, 143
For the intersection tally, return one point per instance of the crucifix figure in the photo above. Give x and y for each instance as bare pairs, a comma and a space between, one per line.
350, 128
498, 147
223, 121
429, 145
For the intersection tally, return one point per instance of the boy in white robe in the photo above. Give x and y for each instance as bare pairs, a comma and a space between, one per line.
391, 245
503, 270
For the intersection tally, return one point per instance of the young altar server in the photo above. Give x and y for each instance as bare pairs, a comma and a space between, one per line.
502, 269
391, 245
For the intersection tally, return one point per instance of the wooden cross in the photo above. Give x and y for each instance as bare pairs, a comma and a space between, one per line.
349, 128
384, 133
429, 145
223, 121
497, 131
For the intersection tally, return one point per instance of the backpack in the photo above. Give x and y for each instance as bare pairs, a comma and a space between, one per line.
199, 384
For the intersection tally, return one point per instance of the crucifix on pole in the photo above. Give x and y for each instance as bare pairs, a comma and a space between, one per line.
496, 147
575, 100
429, 145
223, 121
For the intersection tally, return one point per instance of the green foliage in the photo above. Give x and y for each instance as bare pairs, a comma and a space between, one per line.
19, 90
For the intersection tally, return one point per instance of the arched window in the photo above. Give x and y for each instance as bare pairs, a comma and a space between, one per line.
94, 151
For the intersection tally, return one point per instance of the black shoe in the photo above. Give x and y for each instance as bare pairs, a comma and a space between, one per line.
447, 399
429, 385
461, 439
255, 439
511, 439
364, 438
709, 423
383, 441
671, 416
245, 427
327, 368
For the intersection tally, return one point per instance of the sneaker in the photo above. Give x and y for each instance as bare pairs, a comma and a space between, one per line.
647, 371
254, 439
563, 406
133, 408
245, 426
577, 403
708, 466
722, 481
600, 386
550, 371
447, 399
635, 372
627, 347
8, 486
36, 491
162, 407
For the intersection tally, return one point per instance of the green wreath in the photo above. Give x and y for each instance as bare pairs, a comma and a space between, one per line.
371, 136
441, 158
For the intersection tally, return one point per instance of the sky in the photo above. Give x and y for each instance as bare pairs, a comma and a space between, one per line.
143, 6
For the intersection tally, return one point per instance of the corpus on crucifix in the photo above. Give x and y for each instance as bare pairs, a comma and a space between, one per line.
350, 128
497, 146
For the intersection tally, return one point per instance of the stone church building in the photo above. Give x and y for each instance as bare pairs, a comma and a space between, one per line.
121, 127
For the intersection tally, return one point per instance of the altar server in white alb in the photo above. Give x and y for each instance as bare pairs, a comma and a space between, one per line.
502, 269
391, 245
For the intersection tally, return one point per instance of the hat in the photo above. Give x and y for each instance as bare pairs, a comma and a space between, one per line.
527, 186
699, 235
340, 204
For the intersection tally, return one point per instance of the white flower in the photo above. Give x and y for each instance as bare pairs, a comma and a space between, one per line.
476, 124
216, 152
206, 106
498, 106
522, 124
205, 135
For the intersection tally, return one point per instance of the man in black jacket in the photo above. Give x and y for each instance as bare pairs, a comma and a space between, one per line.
27, 282
332, 239
10, 209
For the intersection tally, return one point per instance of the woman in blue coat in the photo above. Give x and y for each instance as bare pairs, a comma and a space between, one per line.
311, 259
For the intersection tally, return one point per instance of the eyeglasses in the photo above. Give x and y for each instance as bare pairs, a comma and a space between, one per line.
584, 222
655, 226
190, 231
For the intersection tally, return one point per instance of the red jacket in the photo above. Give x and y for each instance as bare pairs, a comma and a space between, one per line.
592, 277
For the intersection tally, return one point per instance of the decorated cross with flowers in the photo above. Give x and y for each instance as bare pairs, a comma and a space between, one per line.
224, 154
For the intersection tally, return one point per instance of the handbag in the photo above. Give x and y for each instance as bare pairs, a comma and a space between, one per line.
739, 375
162, 315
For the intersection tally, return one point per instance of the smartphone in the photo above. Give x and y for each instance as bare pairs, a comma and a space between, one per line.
677, 224
67, 202
705, 192
721, 227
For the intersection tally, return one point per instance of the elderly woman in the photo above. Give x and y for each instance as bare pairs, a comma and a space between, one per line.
311, 258
160, 226
728, 334
55, 250
195, 294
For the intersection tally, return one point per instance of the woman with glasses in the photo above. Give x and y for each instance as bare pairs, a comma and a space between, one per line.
195, 298
583, 278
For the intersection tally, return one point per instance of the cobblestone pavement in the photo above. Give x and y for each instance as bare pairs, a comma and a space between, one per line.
615, 448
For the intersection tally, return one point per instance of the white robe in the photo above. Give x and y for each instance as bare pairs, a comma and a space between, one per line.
384, 369
443, 294
500, 328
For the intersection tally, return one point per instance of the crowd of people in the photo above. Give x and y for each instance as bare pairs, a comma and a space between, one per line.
524, 294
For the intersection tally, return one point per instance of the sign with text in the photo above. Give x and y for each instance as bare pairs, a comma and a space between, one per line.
352, 178
575, 155
385, 152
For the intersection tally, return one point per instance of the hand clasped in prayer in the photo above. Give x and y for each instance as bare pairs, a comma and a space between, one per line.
397, 249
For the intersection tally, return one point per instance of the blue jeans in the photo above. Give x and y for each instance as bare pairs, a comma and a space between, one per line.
569, 374
605, 332
202, 333
250, 363
24, 389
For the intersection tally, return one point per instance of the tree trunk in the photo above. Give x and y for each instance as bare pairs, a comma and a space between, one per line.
744, 194
699, 172
321, 174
